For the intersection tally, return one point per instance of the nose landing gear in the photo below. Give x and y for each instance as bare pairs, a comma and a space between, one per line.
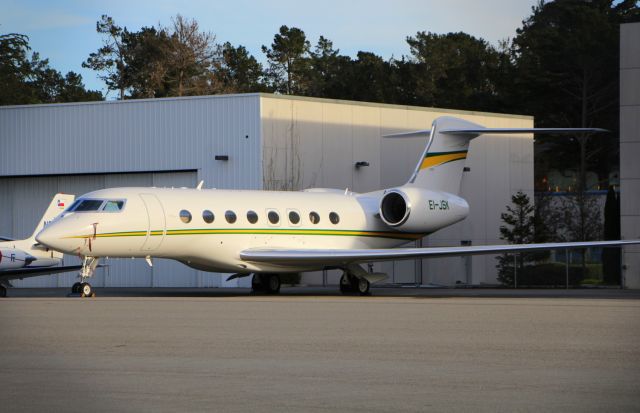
83, 288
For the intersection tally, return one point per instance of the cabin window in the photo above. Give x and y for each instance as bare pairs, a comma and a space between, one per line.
273, 216
252, 217
87, 205
230, 216
294, 217
185, 216
208, 216
314, 217
334, 218
113, 206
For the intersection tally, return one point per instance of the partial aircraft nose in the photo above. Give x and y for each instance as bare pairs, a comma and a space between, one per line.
61, 237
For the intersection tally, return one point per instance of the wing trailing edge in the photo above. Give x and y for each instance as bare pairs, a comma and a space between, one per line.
344, 257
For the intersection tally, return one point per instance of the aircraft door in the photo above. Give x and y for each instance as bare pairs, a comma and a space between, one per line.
156, 222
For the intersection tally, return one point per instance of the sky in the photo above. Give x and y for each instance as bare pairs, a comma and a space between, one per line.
64, 30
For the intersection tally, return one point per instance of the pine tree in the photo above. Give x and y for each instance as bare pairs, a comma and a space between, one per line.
519, 228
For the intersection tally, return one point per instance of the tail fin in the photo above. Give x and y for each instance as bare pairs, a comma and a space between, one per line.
442, 163
58, 204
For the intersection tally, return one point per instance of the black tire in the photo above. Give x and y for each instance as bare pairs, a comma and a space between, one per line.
86, 290
256, 283
345, 284
364, 286
75, 288
3, 291
272, 283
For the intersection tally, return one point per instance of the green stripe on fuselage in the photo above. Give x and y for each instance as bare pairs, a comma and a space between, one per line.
265, 231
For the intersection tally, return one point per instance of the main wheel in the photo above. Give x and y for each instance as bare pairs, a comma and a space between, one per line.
363, 286
345, 284
75, 288
85, 289
273, 283
3, 291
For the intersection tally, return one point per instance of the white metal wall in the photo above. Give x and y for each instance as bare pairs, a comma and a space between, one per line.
316, 143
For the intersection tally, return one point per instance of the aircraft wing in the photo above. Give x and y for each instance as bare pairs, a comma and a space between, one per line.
344, 257
27, 272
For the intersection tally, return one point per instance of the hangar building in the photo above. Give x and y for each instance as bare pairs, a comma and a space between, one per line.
248, 141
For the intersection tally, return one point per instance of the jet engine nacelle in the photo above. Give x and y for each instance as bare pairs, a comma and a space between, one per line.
411, 209
11, 258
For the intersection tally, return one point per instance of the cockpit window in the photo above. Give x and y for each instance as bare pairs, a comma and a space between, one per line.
74, 205
113, 206
88, 205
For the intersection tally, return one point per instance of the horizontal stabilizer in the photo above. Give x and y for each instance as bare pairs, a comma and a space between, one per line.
510, 131
412, 134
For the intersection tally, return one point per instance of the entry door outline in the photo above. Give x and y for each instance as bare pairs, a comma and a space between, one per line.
155, 222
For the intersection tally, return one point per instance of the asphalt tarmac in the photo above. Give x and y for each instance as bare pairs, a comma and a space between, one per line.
313, 350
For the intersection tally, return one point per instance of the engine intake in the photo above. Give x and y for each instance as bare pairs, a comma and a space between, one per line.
394, 208
419, 210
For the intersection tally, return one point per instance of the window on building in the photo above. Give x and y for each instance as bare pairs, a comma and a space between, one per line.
294, 217
314, 217
230, 216
208, 216
334, 218
273, 216
252, 217
185, 216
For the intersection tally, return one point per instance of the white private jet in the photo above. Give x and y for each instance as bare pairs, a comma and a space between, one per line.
264, 234
27, 258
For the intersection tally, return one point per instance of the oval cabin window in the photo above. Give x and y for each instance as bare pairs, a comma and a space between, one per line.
230, 216
185, 216
273, 216
252, 217
294, 218
334, 218
314, 217
208, 216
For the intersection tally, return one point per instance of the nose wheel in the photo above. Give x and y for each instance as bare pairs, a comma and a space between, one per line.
83, 288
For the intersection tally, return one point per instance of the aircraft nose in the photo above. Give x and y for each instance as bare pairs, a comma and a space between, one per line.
58, 238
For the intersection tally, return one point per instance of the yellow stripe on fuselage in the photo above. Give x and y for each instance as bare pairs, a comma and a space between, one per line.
258, 231
437, 159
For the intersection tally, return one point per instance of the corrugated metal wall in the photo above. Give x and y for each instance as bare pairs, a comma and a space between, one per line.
630, 150
136, 135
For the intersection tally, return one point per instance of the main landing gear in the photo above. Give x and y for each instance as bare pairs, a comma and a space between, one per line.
83, 287
356, 279
265, 283
3, 291
351, 284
